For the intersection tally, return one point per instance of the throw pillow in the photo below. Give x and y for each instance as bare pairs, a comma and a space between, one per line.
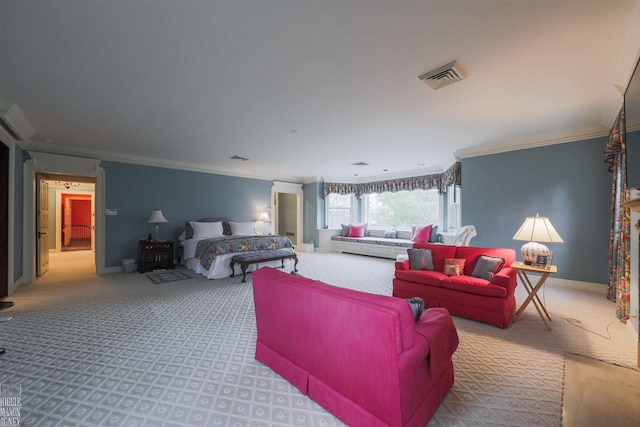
420, 259
487, 267
422, 234
417, 307
356, 230
454, 266
434, 234
345, 230
206, 230
389, 234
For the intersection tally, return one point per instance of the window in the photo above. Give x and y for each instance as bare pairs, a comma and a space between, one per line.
339, 210
402, 209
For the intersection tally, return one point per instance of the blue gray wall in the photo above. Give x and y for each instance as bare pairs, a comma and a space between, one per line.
135, 191
568, 183
313, 212
18, 217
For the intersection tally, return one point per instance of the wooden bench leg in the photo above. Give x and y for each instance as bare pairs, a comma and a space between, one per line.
244, 266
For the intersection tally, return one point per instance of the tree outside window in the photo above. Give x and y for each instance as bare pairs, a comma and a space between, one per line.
403, 209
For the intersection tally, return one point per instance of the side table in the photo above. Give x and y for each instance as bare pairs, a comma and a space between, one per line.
522, 269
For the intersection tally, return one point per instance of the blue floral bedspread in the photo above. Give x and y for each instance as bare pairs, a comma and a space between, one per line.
208, 249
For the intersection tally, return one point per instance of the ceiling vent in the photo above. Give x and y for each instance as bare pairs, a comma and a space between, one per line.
360, 163
236, 157
15, 123
443, 76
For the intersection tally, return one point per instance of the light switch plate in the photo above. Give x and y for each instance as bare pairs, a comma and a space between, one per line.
111, 212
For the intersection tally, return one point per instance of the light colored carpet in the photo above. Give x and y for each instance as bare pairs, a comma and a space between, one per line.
585, 380
119, 350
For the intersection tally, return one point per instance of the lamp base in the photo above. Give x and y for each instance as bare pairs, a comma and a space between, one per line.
531, 250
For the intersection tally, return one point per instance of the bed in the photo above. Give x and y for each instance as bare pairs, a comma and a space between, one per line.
209, 244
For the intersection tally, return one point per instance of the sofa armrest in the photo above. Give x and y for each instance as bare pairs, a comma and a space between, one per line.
507, 279
402, 265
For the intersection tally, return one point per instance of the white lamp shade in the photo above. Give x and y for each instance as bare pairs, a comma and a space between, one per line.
264, 217
157, 217
538, 229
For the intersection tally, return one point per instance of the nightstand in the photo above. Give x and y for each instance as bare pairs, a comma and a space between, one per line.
154, 255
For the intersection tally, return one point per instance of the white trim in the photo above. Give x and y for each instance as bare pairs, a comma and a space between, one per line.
290, 188
65, 150
9, 142
53, 163
576, 285
534, 143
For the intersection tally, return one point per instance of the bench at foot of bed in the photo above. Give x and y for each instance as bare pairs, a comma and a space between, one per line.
262, 256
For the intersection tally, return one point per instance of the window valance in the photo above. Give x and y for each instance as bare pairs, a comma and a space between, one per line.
439, 181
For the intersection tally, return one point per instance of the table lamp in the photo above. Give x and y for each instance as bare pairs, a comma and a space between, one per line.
264, 217
157, 218
534, 230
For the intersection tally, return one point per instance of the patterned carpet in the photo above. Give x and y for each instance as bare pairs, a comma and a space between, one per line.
119, 350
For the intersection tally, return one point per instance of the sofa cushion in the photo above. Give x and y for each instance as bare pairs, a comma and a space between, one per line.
420, 259
472, 254
474, 285
433, 238
453, 266
423, 277
439, 253
487, 267
422, 234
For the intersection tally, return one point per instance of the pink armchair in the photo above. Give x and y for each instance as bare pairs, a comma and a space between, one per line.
361, 356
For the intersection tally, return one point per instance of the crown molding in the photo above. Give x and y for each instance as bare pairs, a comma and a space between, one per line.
66, 150
534, 143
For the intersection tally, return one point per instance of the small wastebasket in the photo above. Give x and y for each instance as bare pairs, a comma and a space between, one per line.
128, 265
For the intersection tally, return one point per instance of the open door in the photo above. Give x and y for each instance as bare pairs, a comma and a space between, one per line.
4, 220
42, 228
66, 222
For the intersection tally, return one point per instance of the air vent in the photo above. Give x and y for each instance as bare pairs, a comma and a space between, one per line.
360, 164
444, 76
236, 157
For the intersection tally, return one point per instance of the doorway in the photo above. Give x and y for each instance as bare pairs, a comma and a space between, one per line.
65, 222
4, 220
287, 222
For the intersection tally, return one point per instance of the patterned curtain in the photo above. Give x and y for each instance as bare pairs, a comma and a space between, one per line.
619, 252
452, 176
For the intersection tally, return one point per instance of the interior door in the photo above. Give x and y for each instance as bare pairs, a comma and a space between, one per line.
66, 221
4, 220
42, 228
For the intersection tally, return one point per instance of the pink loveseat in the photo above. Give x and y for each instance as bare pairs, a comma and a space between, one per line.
466, 296
361, 356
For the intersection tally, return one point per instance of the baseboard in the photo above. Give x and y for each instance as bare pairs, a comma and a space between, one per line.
112, 270
597, 288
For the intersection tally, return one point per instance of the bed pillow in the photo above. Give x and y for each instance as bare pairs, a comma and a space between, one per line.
243, 229
422, 234
454, 266
356, 230
487, 267
188, 229
420, 259
206, 230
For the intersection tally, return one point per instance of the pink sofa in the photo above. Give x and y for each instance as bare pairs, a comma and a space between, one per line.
466, 296
361, 356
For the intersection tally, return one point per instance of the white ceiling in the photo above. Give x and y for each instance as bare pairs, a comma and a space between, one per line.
305, 88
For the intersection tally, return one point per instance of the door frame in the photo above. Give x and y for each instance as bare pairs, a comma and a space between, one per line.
7, 139
66, 165
58, 231
287, 187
